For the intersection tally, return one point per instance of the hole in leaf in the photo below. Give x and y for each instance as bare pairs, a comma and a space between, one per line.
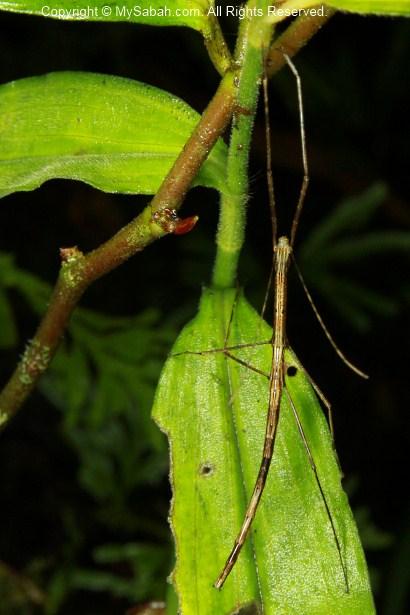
206, 469
291, 370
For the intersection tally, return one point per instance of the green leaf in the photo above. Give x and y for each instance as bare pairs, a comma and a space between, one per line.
190, 13
312, 8
116, 134
108, 367
373, 7
290, 562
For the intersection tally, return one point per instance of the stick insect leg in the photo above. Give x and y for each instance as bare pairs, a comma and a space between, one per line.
321, 396
269, 175
325, 329
227, 350
314, 468
295, 222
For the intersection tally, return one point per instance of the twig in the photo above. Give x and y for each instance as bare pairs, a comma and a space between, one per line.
294, 38
79, 270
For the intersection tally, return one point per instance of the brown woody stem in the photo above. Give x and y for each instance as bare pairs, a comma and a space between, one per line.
294, 38
78, 271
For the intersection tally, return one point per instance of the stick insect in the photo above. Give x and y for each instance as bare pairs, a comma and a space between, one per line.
282, 257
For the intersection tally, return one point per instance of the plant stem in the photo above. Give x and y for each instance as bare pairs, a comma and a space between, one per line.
216, 45
294, 38
79, 270
211, 125
254, 36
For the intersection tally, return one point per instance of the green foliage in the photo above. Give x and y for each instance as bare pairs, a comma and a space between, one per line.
312, 7
109, 11
35, 291
145, 561
108, 365
214, 413
116, 134
340, 241
8, 333
103, 380
192, 13
373, 7
104, 375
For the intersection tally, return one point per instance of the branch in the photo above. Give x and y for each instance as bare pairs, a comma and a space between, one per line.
78, 271
294, 38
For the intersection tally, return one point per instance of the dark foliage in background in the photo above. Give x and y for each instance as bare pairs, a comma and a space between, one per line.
84, 489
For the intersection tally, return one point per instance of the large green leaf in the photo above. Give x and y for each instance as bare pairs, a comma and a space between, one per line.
290, 562
191, 13
311, 7
196, 14
373, 7
116, 134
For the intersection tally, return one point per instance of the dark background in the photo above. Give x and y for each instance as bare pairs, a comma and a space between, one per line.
356, 99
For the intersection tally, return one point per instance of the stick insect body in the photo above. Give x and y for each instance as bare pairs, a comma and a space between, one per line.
282, 256
282, 250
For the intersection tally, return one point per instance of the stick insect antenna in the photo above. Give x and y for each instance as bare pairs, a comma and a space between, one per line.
269, 175
305, 181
